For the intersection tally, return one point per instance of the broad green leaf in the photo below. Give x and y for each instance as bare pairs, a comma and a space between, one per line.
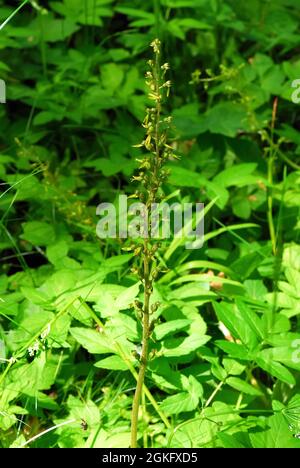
251, 318
173, 326
287, 355
123, 326
234, 350
92, 340
233, 320
276, 369
237, 175
277, 436
233, 367
226, 118
179, 403
38, 233
174, 347
112, 362
256, 289
127, 297
34, 295
57, 251
112, 76
84, 410
230, 441
60, 282
242, 386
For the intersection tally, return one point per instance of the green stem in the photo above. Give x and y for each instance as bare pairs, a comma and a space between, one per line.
271, 159
212, 396
270, 204
13, 14
145, 347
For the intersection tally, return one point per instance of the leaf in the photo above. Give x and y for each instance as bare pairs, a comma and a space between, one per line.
291, 256
60, 282
57, 252
237, 175
192, 23
287, 355
232, 366
38, 233
185, 178
92, 340
234, 350
103, 439
134, 12
242, 386
49, 29
34, 295
127, 297
277, 436
277, 370
59, 332
201, 431
247, 263
183, 401
172, 326
241, 206
116, 262
252, 319
86, 410
112, 76
113, 363
20, 440
193, 386
34, 320
45, 117
122, 325
179, 403
226, 118
233, 320
256, 289
229, 441
173, 347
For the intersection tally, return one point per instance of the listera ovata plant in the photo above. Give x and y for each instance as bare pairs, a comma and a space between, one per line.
151, 176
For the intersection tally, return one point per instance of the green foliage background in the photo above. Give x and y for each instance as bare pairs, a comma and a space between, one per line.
75, 99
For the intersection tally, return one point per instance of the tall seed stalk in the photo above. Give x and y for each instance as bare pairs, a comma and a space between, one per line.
151, 176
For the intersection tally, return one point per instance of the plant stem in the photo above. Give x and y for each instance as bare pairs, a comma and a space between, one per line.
270, 204
271, 159
212, 396
144, 354
13, 14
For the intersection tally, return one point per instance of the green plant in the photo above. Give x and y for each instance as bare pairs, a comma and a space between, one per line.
151, 175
